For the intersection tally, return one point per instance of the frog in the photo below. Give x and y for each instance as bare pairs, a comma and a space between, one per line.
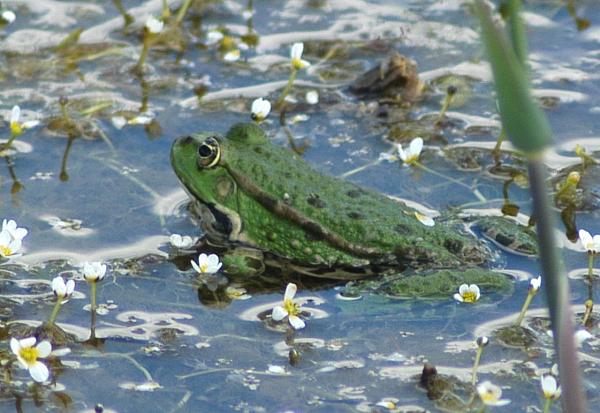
253, 193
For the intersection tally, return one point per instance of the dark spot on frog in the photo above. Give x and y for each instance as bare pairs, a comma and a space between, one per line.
355, 215
315, 201
402, 229
354, 193
455, 246
187, 140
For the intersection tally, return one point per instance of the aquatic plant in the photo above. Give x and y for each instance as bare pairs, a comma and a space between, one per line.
534, 286
296, 64
62, 292
528, 129
550, 389
467, 293
289, 308
93, 273
17, 127
207, 264
490, 395
260, 109
28, 355
481, 342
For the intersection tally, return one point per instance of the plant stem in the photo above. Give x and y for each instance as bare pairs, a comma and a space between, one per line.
182, 11
589, 303
8, 143
547, 405
93, 309
476, 364
288, 87
557, 292
139, 66
530, 296
445, 106
496, 151
55, 311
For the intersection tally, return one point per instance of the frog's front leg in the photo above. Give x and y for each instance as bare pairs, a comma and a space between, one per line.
243, 262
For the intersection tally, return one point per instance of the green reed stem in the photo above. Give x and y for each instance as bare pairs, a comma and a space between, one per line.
447, 102
166, 12
10, 140
139, 66
55, 311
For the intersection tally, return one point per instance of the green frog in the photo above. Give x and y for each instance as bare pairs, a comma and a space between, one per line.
257, 195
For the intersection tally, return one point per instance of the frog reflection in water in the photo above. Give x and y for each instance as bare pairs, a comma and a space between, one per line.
253, 193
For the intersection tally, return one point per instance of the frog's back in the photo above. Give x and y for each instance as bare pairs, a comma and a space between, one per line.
375, 227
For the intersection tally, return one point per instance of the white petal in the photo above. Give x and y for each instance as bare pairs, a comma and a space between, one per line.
195, 266
596, 241
549, 384
5, 238
30, 124
44, 349
232, 56
70, 287
463, 289
585, 237
312, 97
176, 240
424, 219
59, 287
458, 297
297, 49
39, 372
15, 346
19, 233
15, 114
535, 283
118, 122
581, 336
27, 342
296, 322
9, 16
213, 36
401, 153
475, 289
278, 313
140, 120
290, 291
15, 246
416, 145
154, 25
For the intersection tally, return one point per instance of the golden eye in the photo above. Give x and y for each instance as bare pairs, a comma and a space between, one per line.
209, 153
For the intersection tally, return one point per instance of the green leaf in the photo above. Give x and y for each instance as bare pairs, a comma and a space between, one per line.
522, 118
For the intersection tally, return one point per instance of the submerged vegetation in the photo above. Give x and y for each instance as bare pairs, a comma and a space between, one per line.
209, 322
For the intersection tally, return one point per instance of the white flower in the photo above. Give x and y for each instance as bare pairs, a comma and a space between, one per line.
467, 293
119, 122
16, 127
260, 109
61, 289
482, 341
535, 283
140, 120
490, 394
14, 231
181, 242
237, 293
207, 264
411, 155
550, 387
154, 25
386, 156
424, 219
312, 97
247, 14
296, 56
8, 16
8, 245
94, 271
591, 244
232, 55
28, 356
214, 37
289, 309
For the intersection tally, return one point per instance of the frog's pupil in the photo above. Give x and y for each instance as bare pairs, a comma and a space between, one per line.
204, 150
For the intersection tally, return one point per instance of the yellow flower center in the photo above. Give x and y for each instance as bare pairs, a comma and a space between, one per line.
297, 63
227, 43
411, 159
5, 251
469, 297
29, 354
203, 268
290, 307
488, 397
16, 128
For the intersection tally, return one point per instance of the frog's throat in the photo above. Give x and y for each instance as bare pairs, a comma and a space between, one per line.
281, 209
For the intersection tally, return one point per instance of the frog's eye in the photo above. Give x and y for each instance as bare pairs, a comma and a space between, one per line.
209, 153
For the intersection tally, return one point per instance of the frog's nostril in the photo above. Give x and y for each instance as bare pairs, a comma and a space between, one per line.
186, 140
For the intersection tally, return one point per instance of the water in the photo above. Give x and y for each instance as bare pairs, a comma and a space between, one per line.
166, 345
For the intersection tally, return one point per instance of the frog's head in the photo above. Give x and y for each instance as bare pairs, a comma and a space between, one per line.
200, 161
